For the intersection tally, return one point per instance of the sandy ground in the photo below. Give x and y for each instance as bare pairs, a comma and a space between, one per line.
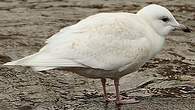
167, 82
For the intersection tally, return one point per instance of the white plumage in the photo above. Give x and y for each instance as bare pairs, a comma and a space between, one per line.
105, 45
105, 41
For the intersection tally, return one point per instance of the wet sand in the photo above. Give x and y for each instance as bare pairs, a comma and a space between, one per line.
166, 82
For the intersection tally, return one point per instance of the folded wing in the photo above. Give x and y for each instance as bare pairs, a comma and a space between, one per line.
105, 41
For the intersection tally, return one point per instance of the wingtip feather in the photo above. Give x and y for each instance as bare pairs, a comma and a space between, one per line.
10, 63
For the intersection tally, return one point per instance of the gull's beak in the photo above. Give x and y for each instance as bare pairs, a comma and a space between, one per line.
183, 28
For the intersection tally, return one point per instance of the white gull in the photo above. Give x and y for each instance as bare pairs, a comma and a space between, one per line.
106, 45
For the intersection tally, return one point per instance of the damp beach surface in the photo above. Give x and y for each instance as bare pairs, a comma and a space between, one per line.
166, 82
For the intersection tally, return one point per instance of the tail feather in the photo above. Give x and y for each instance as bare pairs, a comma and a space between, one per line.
22, 61
44, 62
11, 63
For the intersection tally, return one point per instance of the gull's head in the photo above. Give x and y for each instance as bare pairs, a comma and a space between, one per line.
161, 19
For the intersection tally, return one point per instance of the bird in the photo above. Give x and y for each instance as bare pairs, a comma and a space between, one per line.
106, 45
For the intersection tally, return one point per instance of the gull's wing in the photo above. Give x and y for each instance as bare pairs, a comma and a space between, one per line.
106, 41
96, 23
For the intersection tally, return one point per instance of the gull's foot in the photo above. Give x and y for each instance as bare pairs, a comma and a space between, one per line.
110, 99
127, 101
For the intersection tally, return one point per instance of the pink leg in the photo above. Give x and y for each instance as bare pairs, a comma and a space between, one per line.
118, 99
104, 90
116, 84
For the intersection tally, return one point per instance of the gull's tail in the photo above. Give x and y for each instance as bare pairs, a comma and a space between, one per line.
23, 62
41, 62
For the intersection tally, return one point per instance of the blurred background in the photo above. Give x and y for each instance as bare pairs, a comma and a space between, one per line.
166, 82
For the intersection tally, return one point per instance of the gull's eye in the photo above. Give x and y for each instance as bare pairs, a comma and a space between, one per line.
165, 19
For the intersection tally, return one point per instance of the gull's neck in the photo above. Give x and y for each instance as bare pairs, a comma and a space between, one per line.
156, 40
